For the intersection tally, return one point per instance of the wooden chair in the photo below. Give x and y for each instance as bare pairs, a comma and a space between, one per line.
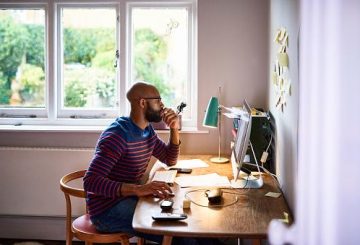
81, 227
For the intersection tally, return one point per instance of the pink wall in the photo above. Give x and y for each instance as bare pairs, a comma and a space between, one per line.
233, 54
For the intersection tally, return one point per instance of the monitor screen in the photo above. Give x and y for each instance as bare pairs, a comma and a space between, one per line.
241, 140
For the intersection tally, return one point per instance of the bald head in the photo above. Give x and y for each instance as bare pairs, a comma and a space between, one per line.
141, 90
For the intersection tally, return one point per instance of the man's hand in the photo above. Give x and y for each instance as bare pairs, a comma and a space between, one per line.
170, 118
156, 189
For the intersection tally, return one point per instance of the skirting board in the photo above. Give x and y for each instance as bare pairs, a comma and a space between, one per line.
32, 227
35, 228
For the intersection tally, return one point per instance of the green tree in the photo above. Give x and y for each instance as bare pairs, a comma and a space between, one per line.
104, 60
150, 55
80, 46
35, 45
12, 49
76, 94
4, 92
106, 91
33, 84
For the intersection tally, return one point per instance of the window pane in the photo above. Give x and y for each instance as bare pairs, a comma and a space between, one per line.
89, 46
160, 52
22, 52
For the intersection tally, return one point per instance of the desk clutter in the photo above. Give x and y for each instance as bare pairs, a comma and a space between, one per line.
168, 217
212, 197
244, 213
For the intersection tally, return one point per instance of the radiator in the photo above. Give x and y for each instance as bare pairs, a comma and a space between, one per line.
29, 179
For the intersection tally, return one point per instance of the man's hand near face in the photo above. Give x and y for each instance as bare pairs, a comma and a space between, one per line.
170, 118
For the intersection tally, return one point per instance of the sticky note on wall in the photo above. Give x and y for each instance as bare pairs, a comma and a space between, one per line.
283, 59
274, 77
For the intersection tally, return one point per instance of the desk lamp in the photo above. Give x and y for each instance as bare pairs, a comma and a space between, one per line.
212, 119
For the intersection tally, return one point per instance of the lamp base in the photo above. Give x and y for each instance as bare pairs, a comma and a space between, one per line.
219, 159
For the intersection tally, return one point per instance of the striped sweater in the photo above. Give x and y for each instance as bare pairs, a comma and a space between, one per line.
122, 154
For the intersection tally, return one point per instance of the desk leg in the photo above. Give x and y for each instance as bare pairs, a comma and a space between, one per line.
256, 242
167, 240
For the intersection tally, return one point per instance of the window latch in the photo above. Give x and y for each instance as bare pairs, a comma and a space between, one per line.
5, 115
86, 117
117, 55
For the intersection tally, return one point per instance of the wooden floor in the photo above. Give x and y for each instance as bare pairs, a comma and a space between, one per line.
48, 242
35, 242
43, 242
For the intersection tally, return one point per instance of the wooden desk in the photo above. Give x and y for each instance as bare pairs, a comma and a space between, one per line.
247, 218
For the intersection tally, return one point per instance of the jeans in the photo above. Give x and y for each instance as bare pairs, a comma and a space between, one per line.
119, 219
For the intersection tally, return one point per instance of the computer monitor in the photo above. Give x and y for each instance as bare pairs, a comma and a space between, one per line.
242, 141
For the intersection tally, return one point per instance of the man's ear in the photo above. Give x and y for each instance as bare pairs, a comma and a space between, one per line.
142, 103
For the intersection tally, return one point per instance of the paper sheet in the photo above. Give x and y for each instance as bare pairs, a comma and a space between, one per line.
231, 115
209, 180
192, 163
234, 112
273, 194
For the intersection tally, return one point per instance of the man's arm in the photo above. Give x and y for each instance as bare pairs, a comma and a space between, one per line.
172, 120
169, 153
154, 188
174, 136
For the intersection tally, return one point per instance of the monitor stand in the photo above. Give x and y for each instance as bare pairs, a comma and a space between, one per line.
251, 182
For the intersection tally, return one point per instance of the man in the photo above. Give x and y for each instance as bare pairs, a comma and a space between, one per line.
122, 154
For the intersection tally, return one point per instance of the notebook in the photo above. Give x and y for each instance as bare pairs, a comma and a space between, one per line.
165, 176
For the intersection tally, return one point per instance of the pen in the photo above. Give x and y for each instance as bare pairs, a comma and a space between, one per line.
180, 107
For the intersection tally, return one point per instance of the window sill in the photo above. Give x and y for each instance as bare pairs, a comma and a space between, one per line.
81, 129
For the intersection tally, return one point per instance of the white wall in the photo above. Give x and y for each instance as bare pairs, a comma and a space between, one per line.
232, 53
285, 13
327, 205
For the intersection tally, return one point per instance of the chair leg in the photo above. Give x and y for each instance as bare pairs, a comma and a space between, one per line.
167, 240
124, 241
140, 241
69, 237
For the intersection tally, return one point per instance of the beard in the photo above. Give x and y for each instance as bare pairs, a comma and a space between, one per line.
152, 115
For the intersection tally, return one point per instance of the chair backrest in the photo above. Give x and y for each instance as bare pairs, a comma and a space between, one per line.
72, 191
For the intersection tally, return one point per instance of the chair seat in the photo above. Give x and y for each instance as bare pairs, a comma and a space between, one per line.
84, 230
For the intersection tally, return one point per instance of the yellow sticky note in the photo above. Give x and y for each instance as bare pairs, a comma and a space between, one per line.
282, 34
286, 38
273, 194
274, 77
283, 59
277, 35
286, 218
281, 82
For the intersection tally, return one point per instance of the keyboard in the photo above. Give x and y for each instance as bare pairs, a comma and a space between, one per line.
165, 176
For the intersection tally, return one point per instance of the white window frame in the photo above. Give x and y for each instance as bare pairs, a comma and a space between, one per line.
29, 113
192, 54
82, 112
52, 114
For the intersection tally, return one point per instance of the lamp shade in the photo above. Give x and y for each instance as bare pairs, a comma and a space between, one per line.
212, 114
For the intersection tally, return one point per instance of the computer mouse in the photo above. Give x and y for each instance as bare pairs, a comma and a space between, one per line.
214, 195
